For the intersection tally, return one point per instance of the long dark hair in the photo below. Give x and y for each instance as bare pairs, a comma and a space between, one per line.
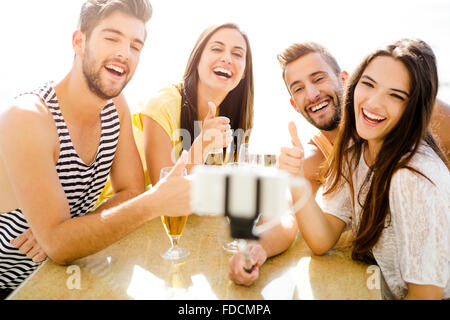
398, 147
237, 105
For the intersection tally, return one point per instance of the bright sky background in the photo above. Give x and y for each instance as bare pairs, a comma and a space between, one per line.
36, 44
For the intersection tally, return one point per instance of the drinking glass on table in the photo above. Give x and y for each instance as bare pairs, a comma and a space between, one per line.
232, 246
215, 158
247, 158
270, 160
174, 228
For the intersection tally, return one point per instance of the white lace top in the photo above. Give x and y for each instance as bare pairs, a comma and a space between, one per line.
415, 246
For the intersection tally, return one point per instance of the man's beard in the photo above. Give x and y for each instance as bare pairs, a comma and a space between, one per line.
93, 79
334, 121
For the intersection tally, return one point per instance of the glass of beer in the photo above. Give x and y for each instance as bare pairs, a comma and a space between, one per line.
270, 160
215, 158
174, 228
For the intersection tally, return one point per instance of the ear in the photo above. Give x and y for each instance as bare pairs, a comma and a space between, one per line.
293, 104
343, 76
78, 42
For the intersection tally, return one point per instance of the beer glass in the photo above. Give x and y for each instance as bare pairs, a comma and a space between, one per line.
174, 227
215, 158
270, 160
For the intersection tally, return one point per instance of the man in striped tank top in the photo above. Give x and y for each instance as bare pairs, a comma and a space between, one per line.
315, 82
59, 144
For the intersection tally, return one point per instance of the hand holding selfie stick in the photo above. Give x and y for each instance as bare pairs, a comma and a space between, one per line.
243, 194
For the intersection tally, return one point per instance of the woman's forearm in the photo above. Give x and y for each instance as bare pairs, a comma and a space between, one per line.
319, 230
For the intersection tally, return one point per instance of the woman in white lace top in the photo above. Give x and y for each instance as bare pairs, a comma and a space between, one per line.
388, 181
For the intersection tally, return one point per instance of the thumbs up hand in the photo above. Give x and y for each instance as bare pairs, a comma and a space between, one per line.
294, 135
291, 158
216, 131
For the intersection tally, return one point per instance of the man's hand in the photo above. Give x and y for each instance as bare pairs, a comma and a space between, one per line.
172, 193
236, 271
27, 244
291, 159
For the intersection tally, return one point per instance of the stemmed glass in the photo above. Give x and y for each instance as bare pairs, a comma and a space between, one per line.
232, 246
247, 158
174, 228
244, 158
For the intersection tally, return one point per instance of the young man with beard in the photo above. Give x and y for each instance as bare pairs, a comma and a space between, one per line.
315, 83
59, 143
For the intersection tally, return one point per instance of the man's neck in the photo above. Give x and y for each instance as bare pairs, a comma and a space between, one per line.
78, 104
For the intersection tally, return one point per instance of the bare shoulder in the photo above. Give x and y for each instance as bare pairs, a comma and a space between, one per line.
25, 111
28, 117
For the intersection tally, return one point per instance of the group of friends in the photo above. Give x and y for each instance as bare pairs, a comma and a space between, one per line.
75, 163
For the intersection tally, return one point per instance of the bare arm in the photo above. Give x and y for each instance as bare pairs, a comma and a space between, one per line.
126, 175
158, 146
26, 134
321, 231
423, 292
440, 120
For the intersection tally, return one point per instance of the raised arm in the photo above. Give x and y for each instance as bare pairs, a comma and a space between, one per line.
215, 133
320, 230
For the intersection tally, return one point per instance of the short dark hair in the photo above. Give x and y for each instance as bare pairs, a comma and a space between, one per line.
298, 50
93, 11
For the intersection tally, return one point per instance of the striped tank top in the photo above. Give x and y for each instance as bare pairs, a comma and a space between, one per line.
82, 185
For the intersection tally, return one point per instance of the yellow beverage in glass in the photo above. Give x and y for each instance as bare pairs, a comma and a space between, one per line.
215, 158
174, 225
174, 228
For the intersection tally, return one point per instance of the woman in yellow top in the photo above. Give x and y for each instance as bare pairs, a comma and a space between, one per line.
219, 73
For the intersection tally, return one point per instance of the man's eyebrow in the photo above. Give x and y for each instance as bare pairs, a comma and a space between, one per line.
119, 33
223, 44
293, 84
318, 72
393, 89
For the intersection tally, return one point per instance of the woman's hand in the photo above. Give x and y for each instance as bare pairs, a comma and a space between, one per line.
216, 131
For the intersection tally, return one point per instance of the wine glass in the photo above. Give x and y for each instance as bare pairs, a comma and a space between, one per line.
174, 228
232, 246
